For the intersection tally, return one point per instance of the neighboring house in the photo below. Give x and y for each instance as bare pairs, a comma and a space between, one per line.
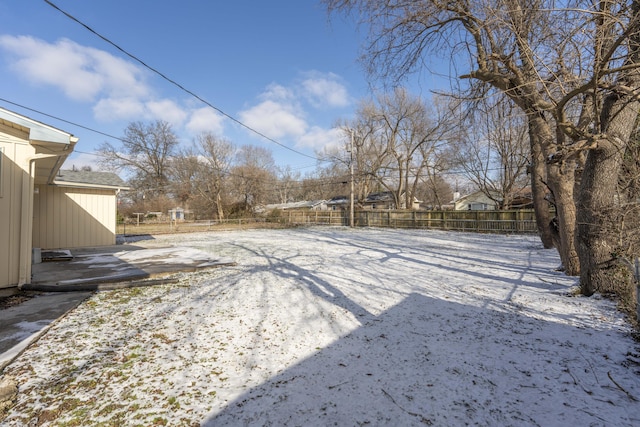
477, 201
338, 203
41, 206
522, 199
385, 200
314, 205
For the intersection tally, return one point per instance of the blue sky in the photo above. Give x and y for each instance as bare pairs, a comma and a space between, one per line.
282, 67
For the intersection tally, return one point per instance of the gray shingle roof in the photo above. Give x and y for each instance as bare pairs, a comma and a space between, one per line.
89, 179
385, 196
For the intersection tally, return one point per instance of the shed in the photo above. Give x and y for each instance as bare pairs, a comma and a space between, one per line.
176, 214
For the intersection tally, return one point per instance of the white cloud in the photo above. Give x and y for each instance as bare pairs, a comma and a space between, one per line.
166, 110
325, 90
278, 92
117, 88
319, 138
118, 91
275, 119
128, 108
81, 72
283, 111
205, 120
113, 109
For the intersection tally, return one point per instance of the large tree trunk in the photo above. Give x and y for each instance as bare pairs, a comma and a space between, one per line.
539, 187
596, 246
597, 194
561, 182
219, 206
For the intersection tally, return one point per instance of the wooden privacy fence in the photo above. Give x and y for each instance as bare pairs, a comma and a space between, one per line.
516, 221
166, 226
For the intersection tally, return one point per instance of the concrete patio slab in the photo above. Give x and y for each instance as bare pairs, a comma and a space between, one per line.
114, 267
66, 283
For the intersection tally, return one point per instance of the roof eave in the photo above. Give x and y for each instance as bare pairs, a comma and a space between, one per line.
69, 184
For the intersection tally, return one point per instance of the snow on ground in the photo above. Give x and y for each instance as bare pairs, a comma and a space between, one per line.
333, 326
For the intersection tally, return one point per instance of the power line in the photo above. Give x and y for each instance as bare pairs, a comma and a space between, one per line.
33, 110
62, 120
181, 87
361, 174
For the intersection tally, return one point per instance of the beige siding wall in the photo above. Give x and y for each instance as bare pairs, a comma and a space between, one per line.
14, 151
71, 218
463, 204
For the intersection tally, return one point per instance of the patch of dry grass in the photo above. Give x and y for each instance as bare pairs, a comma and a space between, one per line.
194, 227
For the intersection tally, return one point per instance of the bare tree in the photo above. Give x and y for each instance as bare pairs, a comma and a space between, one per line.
252, 179
329, 180
573, 71
493, 149
430, 159
217, 161
288, 186
396, 141
200, 175
433, 190
145, 153
185, 167
364, 146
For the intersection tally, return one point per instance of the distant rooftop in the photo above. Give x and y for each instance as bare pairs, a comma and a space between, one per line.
86, 178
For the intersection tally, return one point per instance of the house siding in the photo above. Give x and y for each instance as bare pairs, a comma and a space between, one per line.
14, 151
73, 218
38, 213
475, 201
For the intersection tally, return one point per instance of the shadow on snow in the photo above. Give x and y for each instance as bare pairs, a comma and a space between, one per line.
428, 361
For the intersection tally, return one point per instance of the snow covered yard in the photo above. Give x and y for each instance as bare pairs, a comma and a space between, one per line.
333, 326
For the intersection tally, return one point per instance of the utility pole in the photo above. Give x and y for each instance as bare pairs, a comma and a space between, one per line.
351, 213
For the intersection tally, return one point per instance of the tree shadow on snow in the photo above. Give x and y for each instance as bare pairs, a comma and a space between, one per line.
433, 362
462, 260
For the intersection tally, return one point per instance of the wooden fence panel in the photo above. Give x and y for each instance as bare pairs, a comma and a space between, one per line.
521, 221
